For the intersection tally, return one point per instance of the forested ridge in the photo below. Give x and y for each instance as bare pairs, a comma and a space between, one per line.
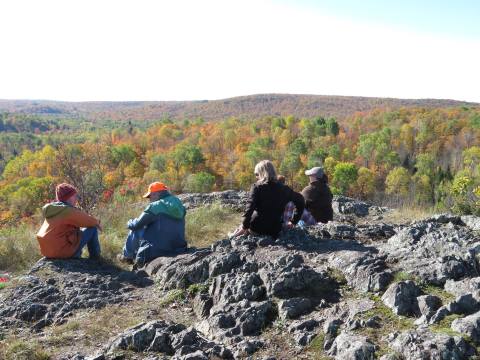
423, 156
242, 107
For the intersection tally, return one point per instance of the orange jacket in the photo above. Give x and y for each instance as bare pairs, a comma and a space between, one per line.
59, 236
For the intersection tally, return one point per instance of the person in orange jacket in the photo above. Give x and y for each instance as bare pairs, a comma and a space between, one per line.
60, 235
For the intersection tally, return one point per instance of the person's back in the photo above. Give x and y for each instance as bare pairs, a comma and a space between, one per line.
166, 233
159, 230
318, 200
265, 211
60, 235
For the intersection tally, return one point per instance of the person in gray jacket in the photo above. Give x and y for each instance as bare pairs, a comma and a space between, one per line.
158, 231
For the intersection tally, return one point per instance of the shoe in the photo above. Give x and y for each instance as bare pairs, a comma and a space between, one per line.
125, 260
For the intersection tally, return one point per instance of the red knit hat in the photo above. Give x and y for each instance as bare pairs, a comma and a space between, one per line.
65, 191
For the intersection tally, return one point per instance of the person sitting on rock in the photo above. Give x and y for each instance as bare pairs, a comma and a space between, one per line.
61, 235
317, 195
267, 202
307, 219
158, 231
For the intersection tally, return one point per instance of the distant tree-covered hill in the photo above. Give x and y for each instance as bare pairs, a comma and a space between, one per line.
244, 107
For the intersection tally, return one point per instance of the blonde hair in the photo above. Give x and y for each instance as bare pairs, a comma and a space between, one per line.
265, 172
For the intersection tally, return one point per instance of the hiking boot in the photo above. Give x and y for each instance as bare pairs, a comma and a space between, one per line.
125, 260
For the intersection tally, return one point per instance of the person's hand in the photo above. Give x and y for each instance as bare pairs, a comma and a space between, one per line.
239, 232
290, 225
129, 223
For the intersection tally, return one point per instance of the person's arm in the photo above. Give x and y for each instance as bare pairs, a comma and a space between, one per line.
299, 206
79, 219
307, 197
251, 206
143, 220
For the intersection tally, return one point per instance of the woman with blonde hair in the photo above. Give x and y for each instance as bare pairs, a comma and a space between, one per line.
267, 201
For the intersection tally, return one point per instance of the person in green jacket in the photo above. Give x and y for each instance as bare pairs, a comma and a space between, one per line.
158, 231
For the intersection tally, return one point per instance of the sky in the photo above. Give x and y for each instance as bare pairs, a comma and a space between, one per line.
119, 50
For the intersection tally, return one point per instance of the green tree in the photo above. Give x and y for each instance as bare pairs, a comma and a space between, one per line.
398, 182
122, 153
199, 182
187, 156
332, 126
158, 162
365, 186
344, 176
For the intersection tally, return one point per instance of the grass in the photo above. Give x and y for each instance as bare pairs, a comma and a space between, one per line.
182, 296
445, 296
19, 248
406, 214
206, 224
16, 349
444, 326
389, 322
403, 276
315, 348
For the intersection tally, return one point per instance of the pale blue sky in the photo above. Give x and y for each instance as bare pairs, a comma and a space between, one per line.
211, 49
459, 18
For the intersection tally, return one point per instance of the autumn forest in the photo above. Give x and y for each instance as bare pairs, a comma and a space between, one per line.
418, 156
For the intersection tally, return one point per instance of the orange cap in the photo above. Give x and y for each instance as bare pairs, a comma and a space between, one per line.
154, 187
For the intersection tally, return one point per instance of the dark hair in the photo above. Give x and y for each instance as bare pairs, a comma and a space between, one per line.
281, 179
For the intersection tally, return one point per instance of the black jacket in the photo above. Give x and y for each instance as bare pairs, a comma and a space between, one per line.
318, 200
266, 206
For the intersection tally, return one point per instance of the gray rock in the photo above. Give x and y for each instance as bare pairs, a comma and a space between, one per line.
346, 205
375, 231
439, 315
167, 338
234, 287
180, 271
401, 297
288, 277
303, 325
248, 347
462, 287
349, 346
202, 303
140, 338
469, 325
337, 230
434, 250
423, 344
428, 305
294, 307
465, 304
364, 271
472, 222
238, 319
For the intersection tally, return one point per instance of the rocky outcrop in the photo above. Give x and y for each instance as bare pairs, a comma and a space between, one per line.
324, 284
169, 339
237, 200
424, 344
70, 285
434, 250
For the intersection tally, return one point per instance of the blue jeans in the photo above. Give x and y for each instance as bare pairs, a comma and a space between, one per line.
133, 243
89, 238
